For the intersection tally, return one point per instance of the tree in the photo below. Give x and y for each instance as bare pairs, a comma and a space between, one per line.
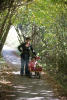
8, 10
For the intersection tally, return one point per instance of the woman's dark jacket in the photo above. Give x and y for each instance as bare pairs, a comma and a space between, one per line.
25, 50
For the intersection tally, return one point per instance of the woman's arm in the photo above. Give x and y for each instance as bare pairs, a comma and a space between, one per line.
20, 47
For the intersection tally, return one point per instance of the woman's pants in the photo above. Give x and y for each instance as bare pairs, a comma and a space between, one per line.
24, 62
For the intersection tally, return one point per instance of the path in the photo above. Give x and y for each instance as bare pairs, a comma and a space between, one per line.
24, 88
9, 56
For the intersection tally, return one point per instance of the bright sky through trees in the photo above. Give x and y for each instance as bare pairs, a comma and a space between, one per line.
12, 39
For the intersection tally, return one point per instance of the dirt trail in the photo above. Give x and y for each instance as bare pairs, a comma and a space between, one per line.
21, 87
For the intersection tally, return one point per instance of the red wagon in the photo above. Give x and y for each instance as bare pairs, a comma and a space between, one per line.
34, 68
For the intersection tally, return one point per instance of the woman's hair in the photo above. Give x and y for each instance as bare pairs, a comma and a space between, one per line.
28, 38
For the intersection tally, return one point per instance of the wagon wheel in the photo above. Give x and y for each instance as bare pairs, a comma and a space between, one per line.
37, 75
30, 75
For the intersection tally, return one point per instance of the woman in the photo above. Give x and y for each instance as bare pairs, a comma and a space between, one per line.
25, 48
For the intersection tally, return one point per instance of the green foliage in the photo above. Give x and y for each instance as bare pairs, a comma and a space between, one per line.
46, 22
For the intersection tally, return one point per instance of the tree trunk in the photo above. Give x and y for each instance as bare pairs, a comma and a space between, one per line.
5, 19
6, 33
4, 37
3, 24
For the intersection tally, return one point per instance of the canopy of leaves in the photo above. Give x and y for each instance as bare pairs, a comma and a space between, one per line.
46, 22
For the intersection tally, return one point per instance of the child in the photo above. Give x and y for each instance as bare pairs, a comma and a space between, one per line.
33, 64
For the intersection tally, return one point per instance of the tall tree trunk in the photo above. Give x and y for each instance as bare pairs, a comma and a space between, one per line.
6, 33
4, 37
3, 24
5, 19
